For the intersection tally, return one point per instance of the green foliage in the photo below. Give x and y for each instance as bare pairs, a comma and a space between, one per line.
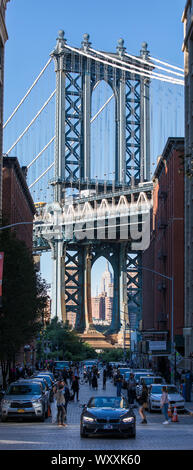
64, 343
22, 299
113, 355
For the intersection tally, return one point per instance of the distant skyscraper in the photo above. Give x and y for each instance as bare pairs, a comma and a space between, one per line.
102, 304
107, 281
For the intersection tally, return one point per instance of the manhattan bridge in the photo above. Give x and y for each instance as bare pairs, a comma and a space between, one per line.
88, 156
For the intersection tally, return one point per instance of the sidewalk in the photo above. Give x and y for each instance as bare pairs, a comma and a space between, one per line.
189, 405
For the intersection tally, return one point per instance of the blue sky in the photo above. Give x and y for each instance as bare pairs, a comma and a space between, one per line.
33, 27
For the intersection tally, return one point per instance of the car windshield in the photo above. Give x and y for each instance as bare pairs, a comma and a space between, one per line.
107, 402
42, 383
127, 375
47, 378
158, 389
24, 389
147, 380
61, 365
122, 371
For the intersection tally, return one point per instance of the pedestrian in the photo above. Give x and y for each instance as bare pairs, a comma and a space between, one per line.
75, 387
188, 382
67, 397
94, 380
131, 389
60, 400
143, 403
119, 383
104, 379
164, 402
53, 406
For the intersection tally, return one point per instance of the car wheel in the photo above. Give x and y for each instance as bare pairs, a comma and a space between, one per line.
42, 419
3, 420
83, 433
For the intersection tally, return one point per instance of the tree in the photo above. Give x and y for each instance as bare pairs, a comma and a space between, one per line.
64, 343
21, 298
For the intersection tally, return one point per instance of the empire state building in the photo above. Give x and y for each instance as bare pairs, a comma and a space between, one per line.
102, 304
107, 282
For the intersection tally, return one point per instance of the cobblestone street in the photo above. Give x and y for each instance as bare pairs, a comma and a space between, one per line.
30, 435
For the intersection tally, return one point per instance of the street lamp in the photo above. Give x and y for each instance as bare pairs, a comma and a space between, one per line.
170, 278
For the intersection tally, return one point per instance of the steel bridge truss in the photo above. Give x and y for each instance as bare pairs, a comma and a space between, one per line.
78, 71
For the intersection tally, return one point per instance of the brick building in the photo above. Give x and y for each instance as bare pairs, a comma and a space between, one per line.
17, 205
165, 255
3, 39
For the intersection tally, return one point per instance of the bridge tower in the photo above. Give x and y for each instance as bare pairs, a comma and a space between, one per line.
77, 73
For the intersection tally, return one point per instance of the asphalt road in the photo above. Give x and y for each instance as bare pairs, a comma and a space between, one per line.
31, 435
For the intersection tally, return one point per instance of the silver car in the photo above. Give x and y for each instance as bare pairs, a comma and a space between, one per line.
24, 399
148, 380
155, 393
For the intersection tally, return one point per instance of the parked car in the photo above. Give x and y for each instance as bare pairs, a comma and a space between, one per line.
138, 375
47, 372
122, 371
46, 390
59, 366
24, 398
175, 398
108, 416
49, 381
149, 380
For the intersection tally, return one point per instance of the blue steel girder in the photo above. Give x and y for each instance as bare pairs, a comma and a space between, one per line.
134, 281
76, 68
73, 122
133, 145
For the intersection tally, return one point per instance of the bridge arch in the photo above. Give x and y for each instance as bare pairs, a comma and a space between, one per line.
103, 145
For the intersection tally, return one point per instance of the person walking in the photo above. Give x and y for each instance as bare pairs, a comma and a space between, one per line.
104, 379
94, 380
60, 400
131, 389
119, 383
75, 387
143, 403
67, 398
164, 403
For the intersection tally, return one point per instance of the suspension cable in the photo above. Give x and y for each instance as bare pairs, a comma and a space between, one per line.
139, 59
52, 139
129, 68
40, 153
136, 66
39, 177
166, 63
155, 66
28, 92
30, 124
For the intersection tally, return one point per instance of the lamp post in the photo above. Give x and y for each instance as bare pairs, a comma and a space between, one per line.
170, 278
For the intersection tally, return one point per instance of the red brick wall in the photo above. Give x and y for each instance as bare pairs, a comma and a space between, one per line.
16, 206
168, 240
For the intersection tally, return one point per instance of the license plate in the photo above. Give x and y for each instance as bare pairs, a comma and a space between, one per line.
20, 410
108, 426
